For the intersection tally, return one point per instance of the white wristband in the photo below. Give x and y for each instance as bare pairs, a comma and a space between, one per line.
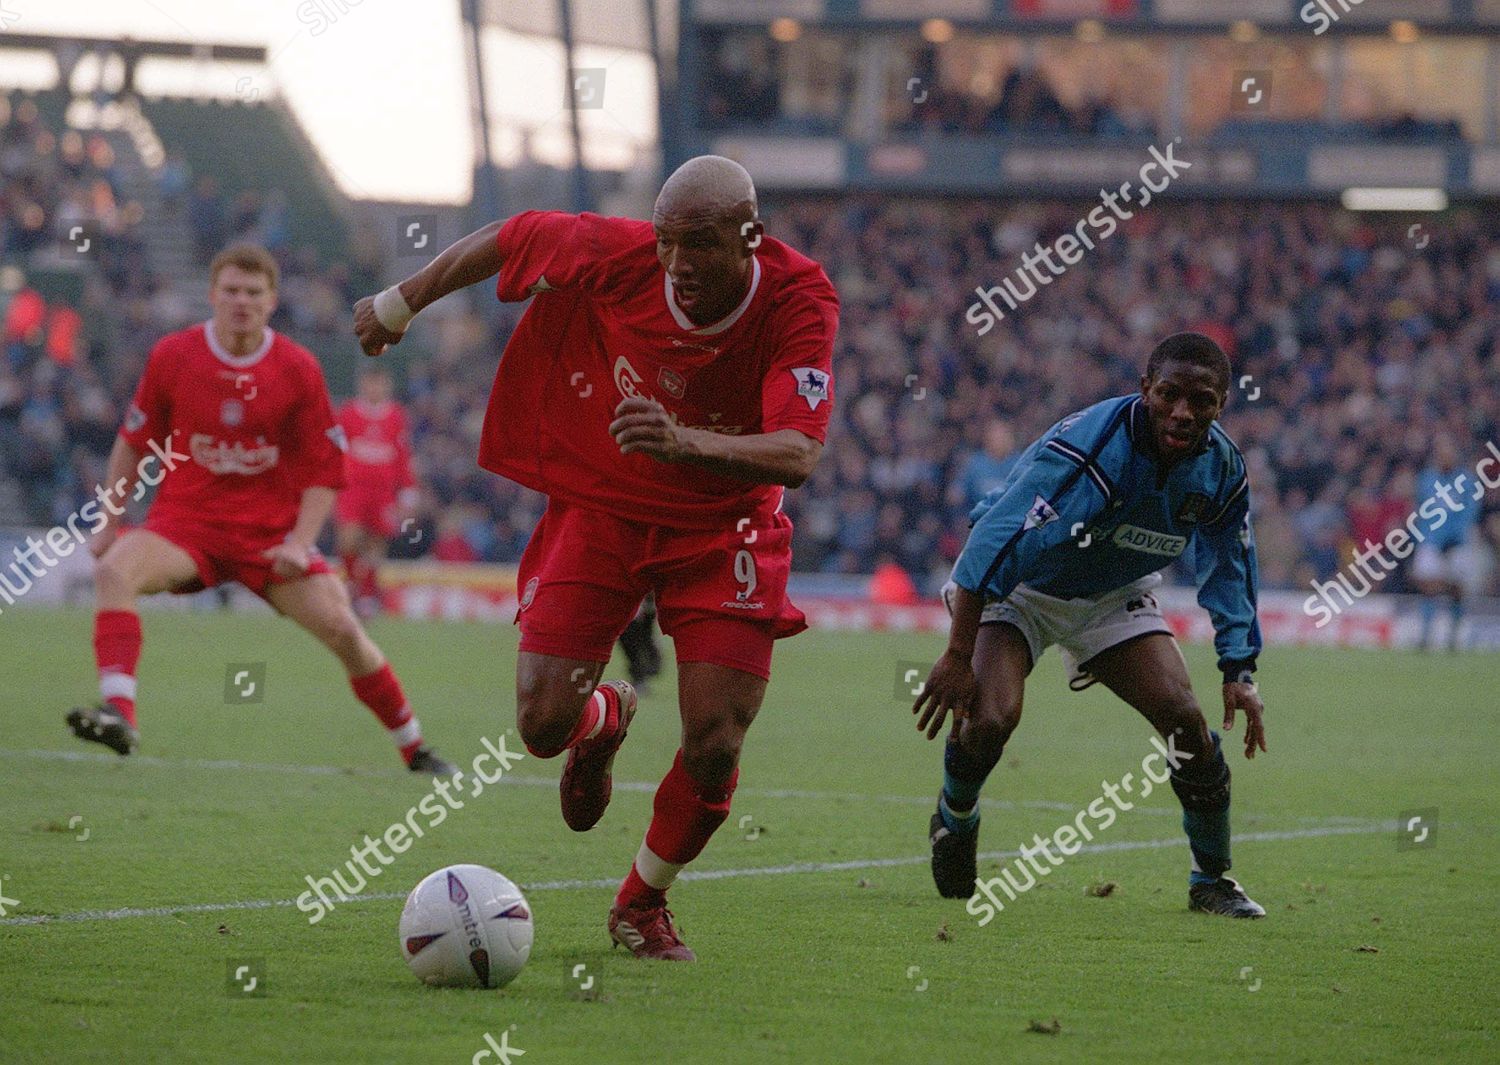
392, 311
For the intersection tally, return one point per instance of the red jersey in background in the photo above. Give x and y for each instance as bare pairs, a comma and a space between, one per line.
248, 433
379, 466
379, 446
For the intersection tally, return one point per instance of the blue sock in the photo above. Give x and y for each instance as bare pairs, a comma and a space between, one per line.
1203, 788
1208, 835
962, 822
963, 778
1429, 612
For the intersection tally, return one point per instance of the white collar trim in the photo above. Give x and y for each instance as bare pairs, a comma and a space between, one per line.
239, 362
722, 324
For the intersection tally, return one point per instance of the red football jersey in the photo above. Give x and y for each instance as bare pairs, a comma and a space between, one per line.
604, 325
245, 435
379, 450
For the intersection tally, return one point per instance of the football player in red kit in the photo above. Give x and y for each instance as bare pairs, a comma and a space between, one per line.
666, 385
233, 421
378, 483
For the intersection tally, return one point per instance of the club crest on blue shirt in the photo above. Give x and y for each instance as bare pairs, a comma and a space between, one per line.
1040, 514
812, 384
1193, 506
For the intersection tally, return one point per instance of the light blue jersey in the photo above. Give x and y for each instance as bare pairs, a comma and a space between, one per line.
1448, 527
983, 474
1088, 509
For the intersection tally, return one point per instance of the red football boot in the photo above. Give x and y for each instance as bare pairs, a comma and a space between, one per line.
586, 783
648, 932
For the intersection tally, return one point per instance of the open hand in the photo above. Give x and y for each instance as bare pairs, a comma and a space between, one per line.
1244, 697
288, 560
950, 686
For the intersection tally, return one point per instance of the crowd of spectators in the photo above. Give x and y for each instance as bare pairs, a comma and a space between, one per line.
1355, 349
60, 197
811, 86
73, 344
1026, 104
743, 89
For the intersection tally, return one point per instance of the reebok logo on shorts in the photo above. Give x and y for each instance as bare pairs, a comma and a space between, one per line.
1149, 541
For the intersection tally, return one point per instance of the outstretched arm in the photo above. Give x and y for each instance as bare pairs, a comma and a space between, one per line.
381, 320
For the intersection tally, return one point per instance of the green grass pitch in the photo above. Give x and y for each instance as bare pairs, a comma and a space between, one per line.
828, 944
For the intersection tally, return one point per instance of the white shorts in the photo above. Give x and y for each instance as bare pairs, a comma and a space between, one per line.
1081, 628
1430, 563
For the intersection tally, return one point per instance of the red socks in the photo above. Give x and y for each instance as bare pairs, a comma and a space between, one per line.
685, 815
382, 693
363, 577
117, 651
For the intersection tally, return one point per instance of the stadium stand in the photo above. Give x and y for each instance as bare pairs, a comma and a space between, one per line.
1355, 350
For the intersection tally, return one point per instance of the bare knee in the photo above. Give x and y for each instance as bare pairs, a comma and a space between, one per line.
711, 746
1178, 714
985, 734
711, 754
548, 703
341, 633
986, 730
113, 581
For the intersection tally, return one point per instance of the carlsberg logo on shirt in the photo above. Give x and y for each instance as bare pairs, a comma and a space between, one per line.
1149, 541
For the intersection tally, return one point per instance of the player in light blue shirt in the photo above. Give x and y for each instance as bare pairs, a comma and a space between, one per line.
1067, 552
1441, 559
987, 468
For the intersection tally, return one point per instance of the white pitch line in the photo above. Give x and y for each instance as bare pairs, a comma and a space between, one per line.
796, 868
646, 787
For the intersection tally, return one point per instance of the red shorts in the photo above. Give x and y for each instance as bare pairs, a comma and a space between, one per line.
369, 507
720, 593
227, 556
